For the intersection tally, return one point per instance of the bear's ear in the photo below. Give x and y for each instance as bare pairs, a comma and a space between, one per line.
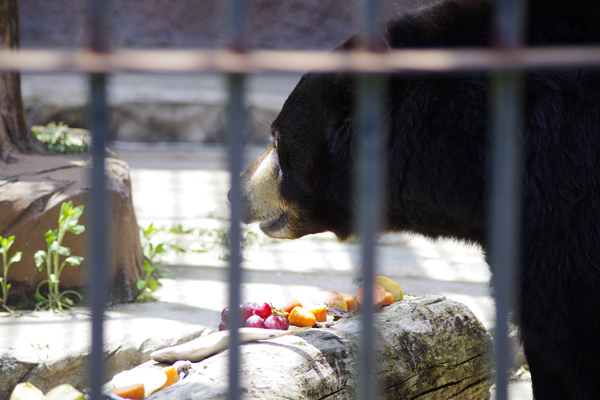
381, 45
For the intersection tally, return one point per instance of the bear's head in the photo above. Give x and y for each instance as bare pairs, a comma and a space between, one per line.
301, 184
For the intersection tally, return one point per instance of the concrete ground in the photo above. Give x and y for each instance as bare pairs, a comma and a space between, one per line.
188, 186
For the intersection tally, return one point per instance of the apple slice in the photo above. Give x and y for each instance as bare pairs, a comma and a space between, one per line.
389, 285
333, 299
377, 300
26, 391
65, 392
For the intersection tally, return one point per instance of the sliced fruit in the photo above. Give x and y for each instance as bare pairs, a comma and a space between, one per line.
319, 309
135, 391
378, 297
389, 299
291, 304
172, 376
26, 391
350, 301
65, 392
151, 378
333, 299
389, 285
300, 316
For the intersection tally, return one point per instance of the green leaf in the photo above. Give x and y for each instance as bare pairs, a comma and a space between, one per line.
146, 296
74, 260
39, 297
53, 278
159, 249
51, 237
40, 257
63, 251
153, 285
15, 258
151, 230
147, 267
77, 229
5, 242
8, 285
141, 284
68, 301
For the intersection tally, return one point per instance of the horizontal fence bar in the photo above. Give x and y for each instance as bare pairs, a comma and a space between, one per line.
297, 61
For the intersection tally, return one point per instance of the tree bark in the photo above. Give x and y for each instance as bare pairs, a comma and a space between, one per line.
14, 134
429, 348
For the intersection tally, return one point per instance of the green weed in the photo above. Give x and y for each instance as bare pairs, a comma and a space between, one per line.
61, 139
5, 244
148, 285
56, 300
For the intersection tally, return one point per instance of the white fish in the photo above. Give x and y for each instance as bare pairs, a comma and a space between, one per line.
205, 346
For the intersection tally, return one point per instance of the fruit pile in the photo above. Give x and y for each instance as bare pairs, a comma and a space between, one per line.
308, 312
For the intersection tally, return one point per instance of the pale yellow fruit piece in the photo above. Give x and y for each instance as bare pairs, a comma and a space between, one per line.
389, 285
152, 378
65, 392
26, 391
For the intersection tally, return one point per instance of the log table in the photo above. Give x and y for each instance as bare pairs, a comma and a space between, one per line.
428, 348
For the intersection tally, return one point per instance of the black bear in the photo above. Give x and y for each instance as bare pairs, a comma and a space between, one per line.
438, 166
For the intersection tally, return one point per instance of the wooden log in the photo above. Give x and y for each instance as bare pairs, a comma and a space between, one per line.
429, 348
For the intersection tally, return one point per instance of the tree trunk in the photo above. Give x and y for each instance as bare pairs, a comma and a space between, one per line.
13, 125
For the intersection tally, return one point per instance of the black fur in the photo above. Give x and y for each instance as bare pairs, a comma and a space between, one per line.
438, 166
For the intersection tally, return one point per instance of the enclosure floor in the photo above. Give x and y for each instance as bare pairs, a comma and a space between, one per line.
189, 186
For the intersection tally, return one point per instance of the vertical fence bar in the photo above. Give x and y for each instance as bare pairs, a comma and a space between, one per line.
97, 282
235, 126
370, 177
236, 15
505, 195
369, 182
97, 234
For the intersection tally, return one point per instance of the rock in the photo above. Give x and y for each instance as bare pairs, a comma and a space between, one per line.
47, 350
32, 190
428, 346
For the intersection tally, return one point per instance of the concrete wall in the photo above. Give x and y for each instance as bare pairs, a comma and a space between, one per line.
181, 108
293, 24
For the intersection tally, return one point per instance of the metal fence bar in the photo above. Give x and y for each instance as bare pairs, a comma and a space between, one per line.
505, 195
98, 232
396, 60
369, 183
236, 16
235, 126
370, 177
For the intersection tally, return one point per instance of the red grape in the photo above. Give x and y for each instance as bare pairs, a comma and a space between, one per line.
254, 321
263, 310
222, 326
248, 309
225, 315
277, 322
